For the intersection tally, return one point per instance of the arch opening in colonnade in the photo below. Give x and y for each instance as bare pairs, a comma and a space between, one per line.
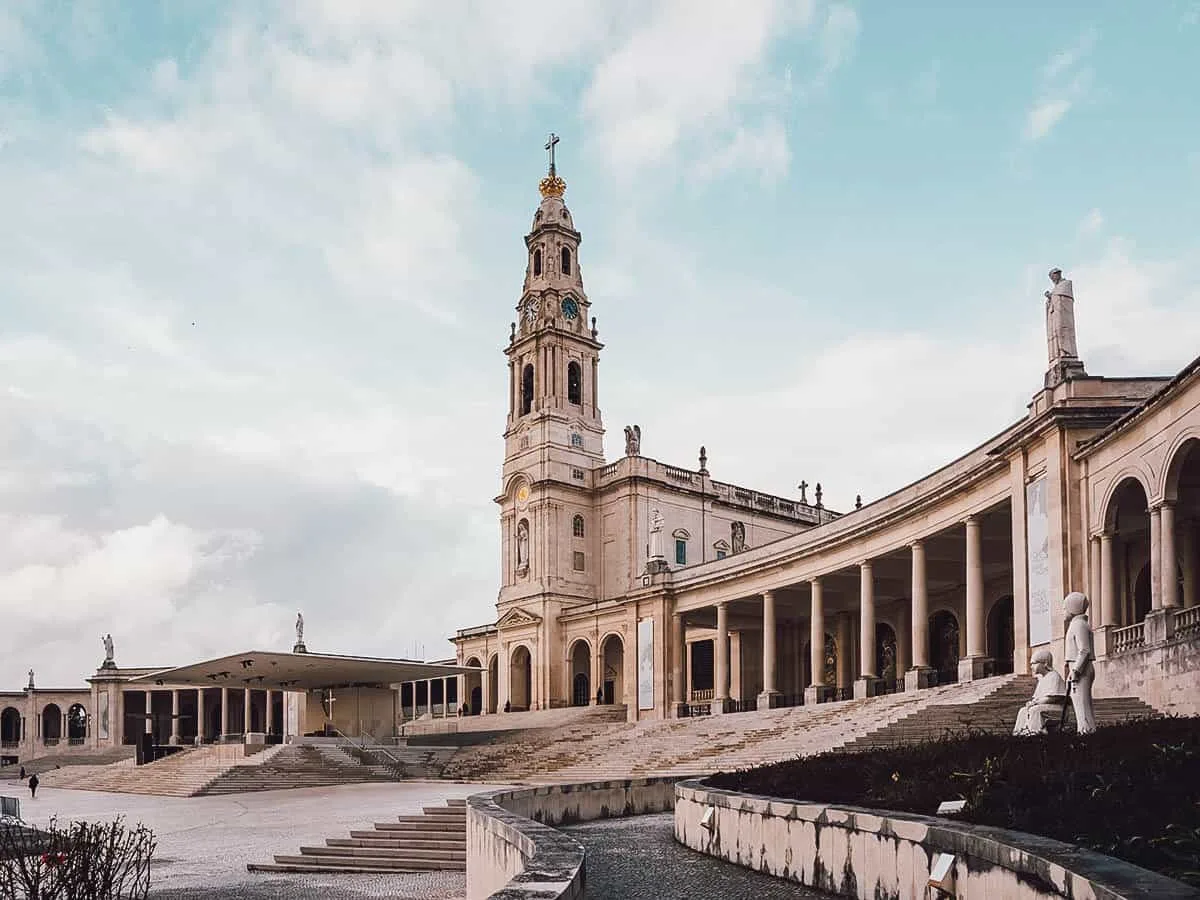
702, 669
944, 645
1127, 521
76, 724
493, 684
520, 679
1183, 490
1001, 638
51, 724
612, 655
886, 663
473, 686
10, 727
581, 666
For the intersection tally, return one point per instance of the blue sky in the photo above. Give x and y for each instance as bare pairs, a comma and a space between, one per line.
260, 260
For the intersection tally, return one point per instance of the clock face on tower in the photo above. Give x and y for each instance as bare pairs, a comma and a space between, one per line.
531, 312
570, 308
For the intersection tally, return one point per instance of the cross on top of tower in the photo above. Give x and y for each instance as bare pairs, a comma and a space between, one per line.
550, 144
552, 185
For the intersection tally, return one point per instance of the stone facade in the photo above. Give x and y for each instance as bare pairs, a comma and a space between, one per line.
959, 575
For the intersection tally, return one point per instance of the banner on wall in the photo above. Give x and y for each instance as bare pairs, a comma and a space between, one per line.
292, 700
1037, 549
102, 715
645, 651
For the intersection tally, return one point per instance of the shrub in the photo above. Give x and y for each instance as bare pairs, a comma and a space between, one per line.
1129, 791
78, 861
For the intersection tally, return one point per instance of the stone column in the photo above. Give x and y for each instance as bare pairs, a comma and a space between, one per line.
269, 718
1155, 559
224, 715
1108, 580
817, 691
867, 684
920, 675
414, 699
175, 738
149, 711
720, 701
1170, 578
770, 697
678, 652
246, 700
200, 717
976, 664
1187, 537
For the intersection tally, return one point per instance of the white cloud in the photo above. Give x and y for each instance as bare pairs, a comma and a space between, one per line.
838, 36
764, 150
1091, 223
1064, 82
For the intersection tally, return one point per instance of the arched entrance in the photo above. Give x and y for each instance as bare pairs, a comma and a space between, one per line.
581, 681
520, 679
76, 724
493, 683
51, 724
473, 687
1000, 637
885, 652
10, 728
612, 654
943, 645
1128, 521
1183, 489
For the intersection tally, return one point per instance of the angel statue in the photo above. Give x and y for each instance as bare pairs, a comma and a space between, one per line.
633, 440
299, 628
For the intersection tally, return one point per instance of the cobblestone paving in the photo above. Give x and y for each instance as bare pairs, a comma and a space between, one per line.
204, 843
638, 859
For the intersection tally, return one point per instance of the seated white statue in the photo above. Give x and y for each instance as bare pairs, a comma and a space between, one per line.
1048, 700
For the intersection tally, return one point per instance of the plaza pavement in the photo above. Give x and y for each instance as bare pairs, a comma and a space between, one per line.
204, 843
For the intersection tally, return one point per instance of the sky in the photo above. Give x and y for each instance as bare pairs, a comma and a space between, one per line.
258, 262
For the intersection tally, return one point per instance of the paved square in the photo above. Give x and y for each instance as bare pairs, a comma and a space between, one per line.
204, 843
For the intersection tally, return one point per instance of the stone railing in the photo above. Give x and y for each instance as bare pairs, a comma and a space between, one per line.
1131, 637
514, 853
866, 853
702, 695
1187, 622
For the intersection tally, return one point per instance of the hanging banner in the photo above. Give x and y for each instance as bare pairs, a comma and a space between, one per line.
645, 651
1037, 550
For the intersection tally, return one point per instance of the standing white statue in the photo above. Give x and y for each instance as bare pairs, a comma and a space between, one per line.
1060, 319
299, 628
1048, 700
522, 545
656, 527
1081, 671
108, 648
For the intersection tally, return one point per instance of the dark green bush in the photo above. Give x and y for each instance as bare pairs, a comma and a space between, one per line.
1131, 791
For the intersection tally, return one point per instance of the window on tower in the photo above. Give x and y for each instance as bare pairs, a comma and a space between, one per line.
680, 552
577, 526
574, 383
527, 389
537, 261
566, 260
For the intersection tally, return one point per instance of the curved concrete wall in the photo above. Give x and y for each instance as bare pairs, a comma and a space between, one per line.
873, 855
513, 853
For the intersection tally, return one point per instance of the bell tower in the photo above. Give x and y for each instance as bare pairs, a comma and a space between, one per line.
554, 435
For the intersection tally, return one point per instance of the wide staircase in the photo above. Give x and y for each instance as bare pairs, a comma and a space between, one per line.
54, 761
559, 717
297, 766
435, 840
584, 752
183, 774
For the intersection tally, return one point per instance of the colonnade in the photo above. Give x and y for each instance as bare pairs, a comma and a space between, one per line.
449, 706
227, 729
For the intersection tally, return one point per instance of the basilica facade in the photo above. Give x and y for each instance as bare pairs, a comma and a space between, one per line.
654, 586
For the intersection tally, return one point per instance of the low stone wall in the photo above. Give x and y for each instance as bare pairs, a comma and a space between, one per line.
1165, 675
514, 853
873, 855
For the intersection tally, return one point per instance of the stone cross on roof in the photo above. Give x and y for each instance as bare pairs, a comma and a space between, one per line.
550, 147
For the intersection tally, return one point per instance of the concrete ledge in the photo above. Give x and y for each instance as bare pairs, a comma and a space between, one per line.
514, 853
871, 854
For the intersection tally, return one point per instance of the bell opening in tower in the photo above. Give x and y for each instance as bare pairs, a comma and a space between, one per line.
574, 383
527, 390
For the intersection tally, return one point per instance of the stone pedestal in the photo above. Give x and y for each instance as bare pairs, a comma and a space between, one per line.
770, 700
867, 687
972, 668
722, 706
299, 647
818, 693
1102, 640
1064, 370
920, 677
656, 566
1159, 626
176, 740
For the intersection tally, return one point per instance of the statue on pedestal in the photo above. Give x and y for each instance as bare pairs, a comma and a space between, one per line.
633, 440
737, 537
29, 687
108, 652
1048, 700
1080, 654
522, 545
1060, 318
299, 647
656, 527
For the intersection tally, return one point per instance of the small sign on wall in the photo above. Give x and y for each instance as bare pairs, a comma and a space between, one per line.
645, 651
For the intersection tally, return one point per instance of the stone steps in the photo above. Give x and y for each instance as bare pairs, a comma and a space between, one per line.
436, 840
297, 766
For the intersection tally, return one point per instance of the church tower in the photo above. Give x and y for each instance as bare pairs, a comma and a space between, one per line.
554, 436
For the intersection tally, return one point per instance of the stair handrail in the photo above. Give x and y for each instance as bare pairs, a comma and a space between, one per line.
396, 764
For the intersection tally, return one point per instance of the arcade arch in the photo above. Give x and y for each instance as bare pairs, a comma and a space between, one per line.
493, 683
76, 724
1001, 635
612, 656
10, 727
52, 723
580, 673
520, 679
1127, 525
473, 687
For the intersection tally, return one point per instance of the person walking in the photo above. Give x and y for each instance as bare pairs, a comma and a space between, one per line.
21, 776
33, 786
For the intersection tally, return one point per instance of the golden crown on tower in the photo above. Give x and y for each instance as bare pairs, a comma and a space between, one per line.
552, 186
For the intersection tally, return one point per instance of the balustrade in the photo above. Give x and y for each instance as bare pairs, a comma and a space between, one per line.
1131, 637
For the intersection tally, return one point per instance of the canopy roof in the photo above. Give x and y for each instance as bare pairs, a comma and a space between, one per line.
299, 671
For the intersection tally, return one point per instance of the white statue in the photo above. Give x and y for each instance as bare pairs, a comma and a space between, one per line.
1048, 700
737, 531
1081, 671
108, 647
1060, 319
299, 628
522, 545
30, 688
656, 527
633, 440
